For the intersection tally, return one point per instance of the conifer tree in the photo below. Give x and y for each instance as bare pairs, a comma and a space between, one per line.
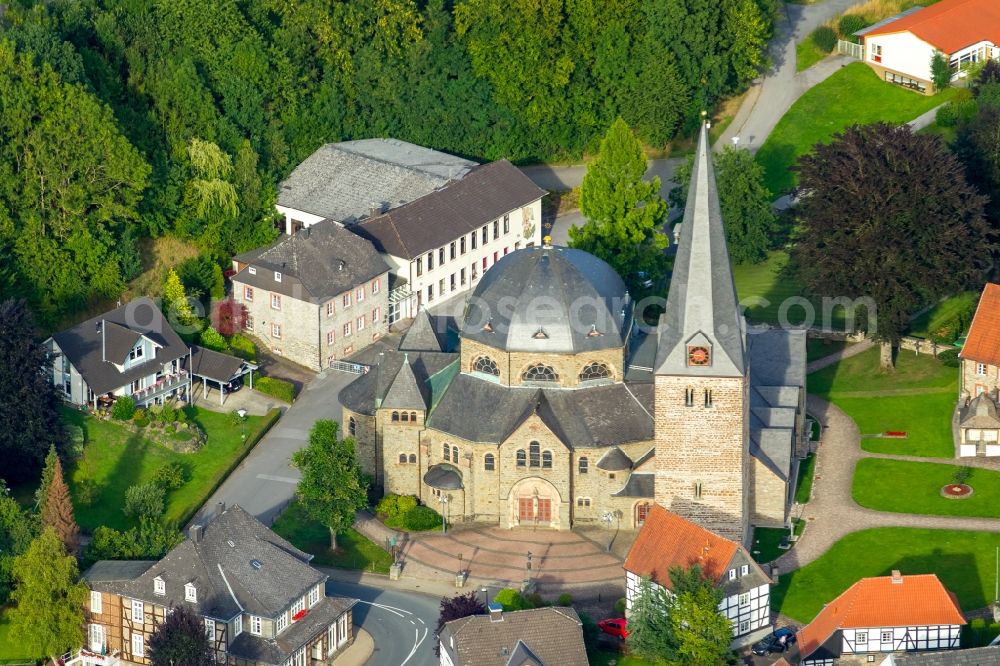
57, 511
42, 493
175, 302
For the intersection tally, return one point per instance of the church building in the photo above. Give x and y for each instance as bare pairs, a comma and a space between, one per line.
550, 405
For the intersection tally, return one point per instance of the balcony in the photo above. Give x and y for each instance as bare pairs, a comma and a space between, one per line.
164, 385
88, 658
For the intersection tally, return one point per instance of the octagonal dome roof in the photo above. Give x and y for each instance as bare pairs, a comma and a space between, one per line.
549, 299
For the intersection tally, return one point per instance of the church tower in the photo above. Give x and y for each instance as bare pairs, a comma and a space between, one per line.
701, 381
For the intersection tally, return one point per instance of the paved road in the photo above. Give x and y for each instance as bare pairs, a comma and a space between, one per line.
567, 177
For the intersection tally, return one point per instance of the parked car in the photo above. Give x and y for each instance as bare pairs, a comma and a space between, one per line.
779, 641
233, 385
615, 626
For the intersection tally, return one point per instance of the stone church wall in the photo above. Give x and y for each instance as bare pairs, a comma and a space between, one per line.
768, 496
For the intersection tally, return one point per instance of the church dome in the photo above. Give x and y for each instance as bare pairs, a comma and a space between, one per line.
549, 299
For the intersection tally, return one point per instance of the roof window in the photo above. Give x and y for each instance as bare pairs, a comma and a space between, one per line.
277, 276
190, 592
252, 270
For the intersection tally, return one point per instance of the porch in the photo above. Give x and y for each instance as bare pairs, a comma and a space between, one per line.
163, 387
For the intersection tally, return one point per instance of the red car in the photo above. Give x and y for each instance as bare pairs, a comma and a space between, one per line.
615, 626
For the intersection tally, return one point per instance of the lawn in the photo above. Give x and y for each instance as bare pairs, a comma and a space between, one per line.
938, 318
860, 375
914, 487
803, 487
854, 95
964, 561
926, 419
608, 657
354, 550
817, 348
10, 650
763, 287
115, 458
807, 54
767, 539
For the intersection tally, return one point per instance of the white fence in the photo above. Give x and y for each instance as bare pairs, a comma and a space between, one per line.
345, 366
856, 51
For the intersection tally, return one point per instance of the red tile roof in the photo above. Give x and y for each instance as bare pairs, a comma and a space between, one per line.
983, 341
879, 602
950, 25
667, 540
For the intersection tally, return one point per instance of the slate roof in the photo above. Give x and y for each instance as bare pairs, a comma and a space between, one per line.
405, 391
983, 342
444, 477
551, 300
879, 602
981, 412
370, 389
341, 181
316, 263
950, 25
702, 308
116, 571
487, 193
615, 460
86, 348
581, 418
981, 656
276, 651
639, 484
428, 333
777, 360
777, 357
224, 576
214, 365
553, 636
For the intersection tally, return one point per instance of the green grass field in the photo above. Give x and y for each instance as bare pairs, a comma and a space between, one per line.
807, 54
803, 488
766, 541
914, 487
861, 374
765, 290
115, 458
817, 348
854, 95
937, 318
354, 550
964, 561
10, 650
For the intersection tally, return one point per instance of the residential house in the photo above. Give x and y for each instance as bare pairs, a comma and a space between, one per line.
315, 296
881, 615
667, 540
980, 656
129, 351
260, 600
550, 636
978, 423
963, 31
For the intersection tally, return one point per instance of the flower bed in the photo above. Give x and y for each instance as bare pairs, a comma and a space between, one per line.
956, 491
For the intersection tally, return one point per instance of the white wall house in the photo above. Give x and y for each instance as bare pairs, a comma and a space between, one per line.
964, 31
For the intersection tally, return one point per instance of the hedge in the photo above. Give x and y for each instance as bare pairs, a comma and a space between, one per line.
242, 346
251, 441
276, 388
825, 38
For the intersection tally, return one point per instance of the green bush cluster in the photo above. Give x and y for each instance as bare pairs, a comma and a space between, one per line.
171, 476
212, 339
949, 357
393, 506
850, 24
123, 409
144, 500
825, 38
957, 112
276, 388
979, 632
421, 519
565, 599
242, 346
514, 600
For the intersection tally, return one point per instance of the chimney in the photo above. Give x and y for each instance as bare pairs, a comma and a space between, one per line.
100, 328
195, 532
220, 508
897, 578
340, 265
496, 612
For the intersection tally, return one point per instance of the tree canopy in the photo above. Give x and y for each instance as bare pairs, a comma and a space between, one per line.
887, 214
331, 489
457, 607
17, 529
180, 640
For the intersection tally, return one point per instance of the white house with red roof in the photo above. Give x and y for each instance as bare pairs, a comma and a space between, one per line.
964, 31
978, 421
883, 615
666, 540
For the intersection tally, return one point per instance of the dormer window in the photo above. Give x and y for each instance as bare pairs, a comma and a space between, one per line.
252, 271
159, 587
135, 353
190, 593
277, 276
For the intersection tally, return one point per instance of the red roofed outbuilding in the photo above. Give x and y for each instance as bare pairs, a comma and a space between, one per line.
885, 614
964, 31
979, 424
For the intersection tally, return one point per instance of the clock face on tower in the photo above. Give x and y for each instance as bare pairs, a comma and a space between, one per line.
698, 356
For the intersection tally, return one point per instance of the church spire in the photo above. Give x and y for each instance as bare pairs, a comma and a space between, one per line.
701, 331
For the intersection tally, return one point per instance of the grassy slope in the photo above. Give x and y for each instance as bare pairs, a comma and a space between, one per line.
115, 458
807, 54
914, 487
964, 561
941, 314
854, 95
354, 550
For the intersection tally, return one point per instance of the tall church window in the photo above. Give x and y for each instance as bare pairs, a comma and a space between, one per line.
595, 370
582, 465
486, 365
689, 397
352, 426
395, 416
533, 454
489, 462
697, 489
708, 397
522, 458
447, 452
546, 459
539, 373
413, 416
402, 458
454, 454
406, 417
642, 512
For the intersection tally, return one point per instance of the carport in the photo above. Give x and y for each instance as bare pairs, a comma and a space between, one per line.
217, 368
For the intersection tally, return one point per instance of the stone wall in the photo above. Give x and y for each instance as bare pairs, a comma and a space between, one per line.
567, 366
973, 383
702, 470
364, 439
769, 496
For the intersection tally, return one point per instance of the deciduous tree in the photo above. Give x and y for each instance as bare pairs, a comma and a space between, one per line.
17, 529
978, 147
940, 71
331, 490
180, 640
48, 614
625, 213
57, 511
887, 215
457, 607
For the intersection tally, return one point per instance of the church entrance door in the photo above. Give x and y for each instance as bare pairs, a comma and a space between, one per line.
544, 513
525, 509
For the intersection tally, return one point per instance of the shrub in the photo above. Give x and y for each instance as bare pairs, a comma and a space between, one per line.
406, 503
825, 38
512, 600
949, 357
144, 500
565, 599
957, 112
620, 607
850, 24
394, 507
242, 346
591, 632
387, 507
123, 409
171, 476
421, 518
139, 415
961, 475
218, 289
212, 339
167, 415
276, 388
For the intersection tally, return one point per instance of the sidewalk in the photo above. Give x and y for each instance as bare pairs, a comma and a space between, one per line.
360, 651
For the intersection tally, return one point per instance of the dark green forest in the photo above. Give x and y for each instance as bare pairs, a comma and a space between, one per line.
129, 119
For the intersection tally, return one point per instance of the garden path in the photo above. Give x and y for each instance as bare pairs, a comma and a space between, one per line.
836, 357
832, 513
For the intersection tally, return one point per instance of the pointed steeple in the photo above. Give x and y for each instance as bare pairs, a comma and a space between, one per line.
701, 331
405, 391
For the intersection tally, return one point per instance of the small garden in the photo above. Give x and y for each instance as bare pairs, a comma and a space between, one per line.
404, 512
803, 487
354, 551
964, 561
920, 487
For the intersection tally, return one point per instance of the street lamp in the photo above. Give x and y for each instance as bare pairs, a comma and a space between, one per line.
444, 508
486, 596
528, 566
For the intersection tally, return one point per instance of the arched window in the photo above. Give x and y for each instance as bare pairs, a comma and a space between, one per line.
582, 465
447, 452
522, 459
486, 365
352, 426
539, 372
489, 462
533, 454
402, 458
413, 416
595, 370
547, 459
454, 454
395, 416
413, 458
406, 417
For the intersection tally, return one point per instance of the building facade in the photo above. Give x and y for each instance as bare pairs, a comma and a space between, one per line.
538, 637
260, 601
979, 380
314, 297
